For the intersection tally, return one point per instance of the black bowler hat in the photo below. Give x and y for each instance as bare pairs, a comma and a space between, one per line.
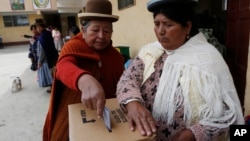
153, 5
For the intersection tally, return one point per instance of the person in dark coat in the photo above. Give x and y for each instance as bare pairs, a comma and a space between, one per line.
47, 55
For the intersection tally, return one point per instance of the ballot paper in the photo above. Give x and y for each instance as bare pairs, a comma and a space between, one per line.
106, 118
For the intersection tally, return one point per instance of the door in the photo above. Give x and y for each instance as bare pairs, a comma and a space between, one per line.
53, 19
71, 21
237, 43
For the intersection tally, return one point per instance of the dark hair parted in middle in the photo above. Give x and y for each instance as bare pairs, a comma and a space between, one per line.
33, 26
179, 13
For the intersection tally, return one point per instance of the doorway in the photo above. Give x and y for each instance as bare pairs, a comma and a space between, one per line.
237, 41
53, 20
230, 22
211, 19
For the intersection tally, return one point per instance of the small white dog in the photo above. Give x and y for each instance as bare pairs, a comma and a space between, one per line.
16, 84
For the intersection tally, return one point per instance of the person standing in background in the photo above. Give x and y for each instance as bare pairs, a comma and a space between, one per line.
47, 55
33, 47
73, 30
56, 34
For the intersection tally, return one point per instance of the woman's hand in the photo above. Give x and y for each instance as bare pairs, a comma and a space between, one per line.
39, 65
141, 118
92, 93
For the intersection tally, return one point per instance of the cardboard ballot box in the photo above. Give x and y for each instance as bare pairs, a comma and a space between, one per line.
85, 126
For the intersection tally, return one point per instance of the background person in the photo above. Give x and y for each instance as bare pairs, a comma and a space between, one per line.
47, 55
87, 70
74, 30
33, 46
179, 87
56, 34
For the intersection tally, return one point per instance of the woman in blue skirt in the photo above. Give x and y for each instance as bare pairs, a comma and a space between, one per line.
47, 55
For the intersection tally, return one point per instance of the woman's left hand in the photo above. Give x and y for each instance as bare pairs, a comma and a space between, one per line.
141, 118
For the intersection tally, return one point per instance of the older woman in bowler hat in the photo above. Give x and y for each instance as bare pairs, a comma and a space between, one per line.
179, 87
85, 69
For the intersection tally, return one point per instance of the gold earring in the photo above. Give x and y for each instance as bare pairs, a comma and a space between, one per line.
188, 36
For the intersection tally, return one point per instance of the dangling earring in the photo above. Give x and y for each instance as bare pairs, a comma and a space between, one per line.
187, 36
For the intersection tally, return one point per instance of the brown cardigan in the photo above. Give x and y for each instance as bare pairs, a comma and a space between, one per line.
56, 123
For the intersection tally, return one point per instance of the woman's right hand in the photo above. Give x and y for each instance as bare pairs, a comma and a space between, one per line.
141, 118
92, 93
39, 65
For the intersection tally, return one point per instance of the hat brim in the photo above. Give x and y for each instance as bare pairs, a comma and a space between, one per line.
90, 16
153, 5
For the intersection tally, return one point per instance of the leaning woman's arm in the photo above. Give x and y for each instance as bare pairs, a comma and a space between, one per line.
128, 87
68, 72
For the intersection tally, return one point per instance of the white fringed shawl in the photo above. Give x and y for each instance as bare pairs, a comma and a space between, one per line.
197, 67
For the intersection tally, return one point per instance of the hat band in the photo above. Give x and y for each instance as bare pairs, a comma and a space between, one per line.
85, 15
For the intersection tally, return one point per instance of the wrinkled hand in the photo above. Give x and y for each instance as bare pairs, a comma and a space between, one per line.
141, 118
184, 135
92, 93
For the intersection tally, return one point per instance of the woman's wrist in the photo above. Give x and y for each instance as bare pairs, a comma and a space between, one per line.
124, 103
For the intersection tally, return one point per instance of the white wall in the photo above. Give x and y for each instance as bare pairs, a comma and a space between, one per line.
135, 26
5, 6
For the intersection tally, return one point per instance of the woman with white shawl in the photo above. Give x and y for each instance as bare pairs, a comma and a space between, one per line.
179, 87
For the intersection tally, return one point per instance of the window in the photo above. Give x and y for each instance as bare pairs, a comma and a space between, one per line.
18, 20
125, 3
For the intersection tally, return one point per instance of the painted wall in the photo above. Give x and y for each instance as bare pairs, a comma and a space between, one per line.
13, 34
5, 6
134, 27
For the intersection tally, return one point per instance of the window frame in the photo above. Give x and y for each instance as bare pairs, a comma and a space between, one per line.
123, 4
15, 20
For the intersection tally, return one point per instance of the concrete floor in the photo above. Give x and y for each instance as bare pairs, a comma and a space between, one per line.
22, 113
